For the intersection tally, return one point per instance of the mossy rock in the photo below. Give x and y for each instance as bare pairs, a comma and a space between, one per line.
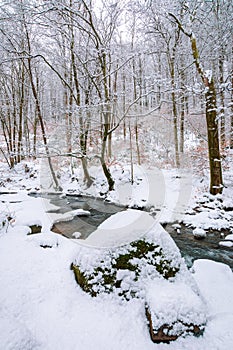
148, 268
122, 270
82, 280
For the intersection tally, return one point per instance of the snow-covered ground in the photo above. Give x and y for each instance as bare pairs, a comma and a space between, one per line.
41, 305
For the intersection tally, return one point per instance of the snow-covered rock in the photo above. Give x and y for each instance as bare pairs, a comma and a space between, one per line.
199, 233
140, 268
76, 234
121, 228
229, 237
173, 309
228, 244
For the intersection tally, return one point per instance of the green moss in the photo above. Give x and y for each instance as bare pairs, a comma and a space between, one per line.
142, 248
82, 280
108, 277
165, 269
109, 280
104, 278
123, 263
138, 249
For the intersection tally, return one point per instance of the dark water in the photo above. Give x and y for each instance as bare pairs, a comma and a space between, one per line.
207, 248
191, 249
99, 212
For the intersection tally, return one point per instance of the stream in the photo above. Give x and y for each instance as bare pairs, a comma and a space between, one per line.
207, 248
99, 212
191, 248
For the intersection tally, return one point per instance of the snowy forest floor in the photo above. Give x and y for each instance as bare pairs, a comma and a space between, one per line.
42, 307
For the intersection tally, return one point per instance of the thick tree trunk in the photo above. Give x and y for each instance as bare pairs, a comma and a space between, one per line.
216, 181
174, 113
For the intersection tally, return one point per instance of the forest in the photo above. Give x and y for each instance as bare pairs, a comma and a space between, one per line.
125, 80
116, 174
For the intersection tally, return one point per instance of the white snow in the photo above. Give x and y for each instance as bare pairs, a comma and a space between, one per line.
226, 243
76, 234
229, 237
80, 212
208, 75
176, 226
175, 302
43, 308
199, 233
121, 228
216, 283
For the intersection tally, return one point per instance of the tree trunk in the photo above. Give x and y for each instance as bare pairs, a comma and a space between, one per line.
131, 154
106, 122
124, 100
231, 122
106, 171
182, 114
40, 117
222, 109
183, 105
83, 146
83, 131
175, 129
35, 134
20, 127
216, 181
171, 60
137, 141
174, 112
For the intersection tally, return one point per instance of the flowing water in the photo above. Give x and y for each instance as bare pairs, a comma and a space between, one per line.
99, 212
191, 249
207, 248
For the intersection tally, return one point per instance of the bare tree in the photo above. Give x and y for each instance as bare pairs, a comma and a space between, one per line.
216, 181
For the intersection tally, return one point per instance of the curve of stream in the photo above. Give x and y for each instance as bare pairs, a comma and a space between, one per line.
191, 249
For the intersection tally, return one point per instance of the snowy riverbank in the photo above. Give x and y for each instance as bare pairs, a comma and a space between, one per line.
41, 305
